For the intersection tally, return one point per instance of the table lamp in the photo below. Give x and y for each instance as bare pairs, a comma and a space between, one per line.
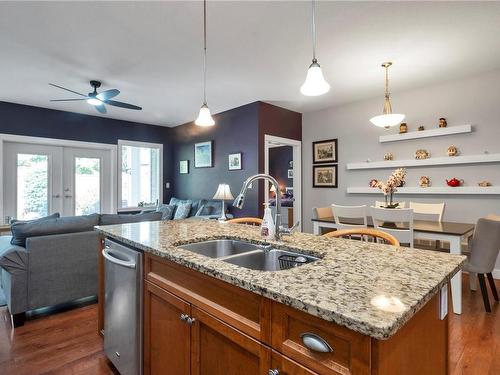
223, 193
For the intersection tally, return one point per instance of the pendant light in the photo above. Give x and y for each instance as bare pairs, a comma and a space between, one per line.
204, 117
387, 119
315, 83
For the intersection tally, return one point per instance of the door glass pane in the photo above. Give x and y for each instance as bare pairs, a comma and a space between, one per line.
32, 186
87, 185
140, 176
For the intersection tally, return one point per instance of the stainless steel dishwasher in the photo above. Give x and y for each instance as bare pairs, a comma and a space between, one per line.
123, 307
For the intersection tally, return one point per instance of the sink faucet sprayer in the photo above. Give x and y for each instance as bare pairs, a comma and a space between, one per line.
240, 201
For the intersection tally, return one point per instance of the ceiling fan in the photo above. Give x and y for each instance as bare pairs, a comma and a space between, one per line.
97, 100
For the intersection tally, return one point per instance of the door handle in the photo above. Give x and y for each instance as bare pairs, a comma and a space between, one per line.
68, 196
56, 195
107, 254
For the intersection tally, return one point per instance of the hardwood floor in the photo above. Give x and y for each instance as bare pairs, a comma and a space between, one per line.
68, 343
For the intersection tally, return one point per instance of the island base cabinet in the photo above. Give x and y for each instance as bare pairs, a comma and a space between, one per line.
281, 365
167, 345
218, 349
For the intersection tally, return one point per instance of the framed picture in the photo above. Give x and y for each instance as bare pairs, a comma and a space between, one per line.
325, 151
290, 164
289, 190
184, 166
203, 157
234, 161
325, 176
290, 173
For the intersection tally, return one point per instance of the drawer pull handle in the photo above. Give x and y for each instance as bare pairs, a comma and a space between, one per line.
273, 372
315, 343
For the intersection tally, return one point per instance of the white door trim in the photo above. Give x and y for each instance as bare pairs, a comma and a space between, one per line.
297, 171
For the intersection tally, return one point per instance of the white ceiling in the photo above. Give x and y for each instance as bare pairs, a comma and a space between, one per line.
152, 51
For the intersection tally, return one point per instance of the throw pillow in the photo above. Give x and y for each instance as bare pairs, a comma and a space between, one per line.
53, 216
205, 211
167, 211
182, 211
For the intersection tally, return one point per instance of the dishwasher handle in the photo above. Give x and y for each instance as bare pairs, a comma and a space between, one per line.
106, 253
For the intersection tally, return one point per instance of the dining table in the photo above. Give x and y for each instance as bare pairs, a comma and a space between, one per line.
454, 233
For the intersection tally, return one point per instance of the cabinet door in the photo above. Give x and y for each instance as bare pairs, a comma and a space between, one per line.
167, 343
282, 365
218, 349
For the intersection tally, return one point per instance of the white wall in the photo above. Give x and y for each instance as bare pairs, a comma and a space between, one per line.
475, 101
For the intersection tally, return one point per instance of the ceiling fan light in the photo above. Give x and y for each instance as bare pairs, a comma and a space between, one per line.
387, 121
315, 83
94, 101
204, 117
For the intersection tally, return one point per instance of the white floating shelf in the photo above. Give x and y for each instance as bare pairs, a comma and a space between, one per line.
446, 160
437, 132
462, 190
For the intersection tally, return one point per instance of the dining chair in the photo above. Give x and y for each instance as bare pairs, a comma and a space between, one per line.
322, 212
364, 234
382, 204
484, 251
398, 222
429, 212
342, 214
246, 220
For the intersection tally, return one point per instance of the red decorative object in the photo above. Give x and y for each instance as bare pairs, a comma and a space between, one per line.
454, 182
373, 183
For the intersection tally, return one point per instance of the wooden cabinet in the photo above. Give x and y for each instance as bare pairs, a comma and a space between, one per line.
281, 365
167, 338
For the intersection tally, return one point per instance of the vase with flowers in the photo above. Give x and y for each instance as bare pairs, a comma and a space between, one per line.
389, 187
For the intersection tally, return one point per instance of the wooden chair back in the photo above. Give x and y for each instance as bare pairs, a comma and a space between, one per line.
365, 234
383, 217
428, 211
341, 213
246, 220
321, 212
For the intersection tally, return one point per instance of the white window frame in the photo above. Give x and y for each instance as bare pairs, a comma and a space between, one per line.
121, 143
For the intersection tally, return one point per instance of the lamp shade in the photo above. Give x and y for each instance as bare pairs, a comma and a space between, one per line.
388, 120
315, 83
273, 189
204, 117
223, 192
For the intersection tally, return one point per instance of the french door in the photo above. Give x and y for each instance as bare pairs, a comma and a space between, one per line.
40, 180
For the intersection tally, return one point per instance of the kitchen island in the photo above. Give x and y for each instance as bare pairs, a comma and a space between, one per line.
377, 309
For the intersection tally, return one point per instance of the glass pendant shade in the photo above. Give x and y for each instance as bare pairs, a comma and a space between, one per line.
204, 117
387, 121
315, 83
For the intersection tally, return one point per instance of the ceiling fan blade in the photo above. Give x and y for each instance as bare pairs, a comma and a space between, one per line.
66, 100
64, 88
108, 94
101, 108
122, 105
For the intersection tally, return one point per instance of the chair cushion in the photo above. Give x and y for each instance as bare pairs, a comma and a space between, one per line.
111, 219
70, 224
182, 211
167, 211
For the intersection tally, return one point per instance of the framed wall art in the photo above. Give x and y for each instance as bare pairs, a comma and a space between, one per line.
184, 166
203, 154
325, 176
234, 161
325, 151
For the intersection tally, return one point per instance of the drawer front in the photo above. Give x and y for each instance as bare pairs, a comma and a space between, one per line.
322, 346
244, 310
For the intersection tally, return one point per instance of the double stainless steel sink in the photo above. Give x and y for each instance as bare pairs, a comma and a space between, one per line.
250, 255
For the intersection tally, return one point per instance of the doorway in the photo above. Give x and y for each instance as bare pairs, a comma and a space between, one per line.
283, 161
40, 180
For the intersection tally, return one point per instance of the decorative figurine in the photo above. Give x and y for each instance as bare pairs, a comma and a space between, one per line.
442, 122
452, 151
422, 154
484, 183
455, 182
373, 183
421, 128
424, 181
388, 156
403, 128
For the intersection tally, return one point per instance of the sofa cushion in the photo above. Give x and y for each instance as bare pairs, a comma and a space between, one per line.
53, 216
70, 224
167, 211
111, 219
205, 210
182, 211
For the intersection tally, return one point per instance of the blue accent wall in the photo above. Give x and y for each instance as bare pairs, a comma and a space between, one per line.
41, 122
278, 165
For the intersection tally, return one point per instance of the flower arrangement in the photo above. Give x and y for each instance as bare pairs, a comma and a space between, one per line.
389, 187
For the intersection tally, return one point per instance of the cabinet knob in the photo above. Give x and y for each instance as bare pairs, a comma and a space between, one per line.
315, 343
190, 321
184, 317
273, 372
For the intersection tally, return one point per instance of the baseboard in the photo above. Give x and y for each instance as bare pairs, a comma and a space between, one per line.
496, 273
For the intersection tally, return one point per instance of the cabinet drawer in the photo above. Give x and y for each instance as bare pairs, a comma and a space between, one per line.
244, 310
350, 351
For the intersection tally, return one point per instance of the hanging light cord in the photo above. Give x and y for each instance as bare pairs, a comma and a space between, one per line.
204, 52
313, 26
387, 81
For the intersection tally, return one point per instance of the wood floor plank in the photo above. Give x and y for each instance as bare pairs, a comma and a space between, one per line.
68, 343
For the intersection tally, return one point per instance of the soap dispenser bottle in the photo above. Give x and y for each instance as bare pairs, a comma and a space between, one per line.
267, 229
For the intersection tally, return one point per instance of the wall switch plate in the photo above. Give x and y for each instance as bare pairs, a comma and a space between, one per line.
167, 185
443, 302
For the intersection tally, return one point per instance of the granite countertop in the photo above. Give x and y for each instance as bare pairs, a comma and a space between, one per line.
369, 288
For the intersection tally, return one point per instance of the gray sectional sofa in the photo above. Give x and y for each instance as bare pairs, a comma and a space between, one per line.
53, 260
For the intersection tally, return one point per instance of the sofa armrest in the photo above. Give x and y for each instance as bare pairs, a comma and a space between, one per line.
65, 265
13, 258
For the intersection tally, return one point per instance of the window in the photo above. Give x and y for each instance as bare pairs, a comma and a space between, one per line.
140, 177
